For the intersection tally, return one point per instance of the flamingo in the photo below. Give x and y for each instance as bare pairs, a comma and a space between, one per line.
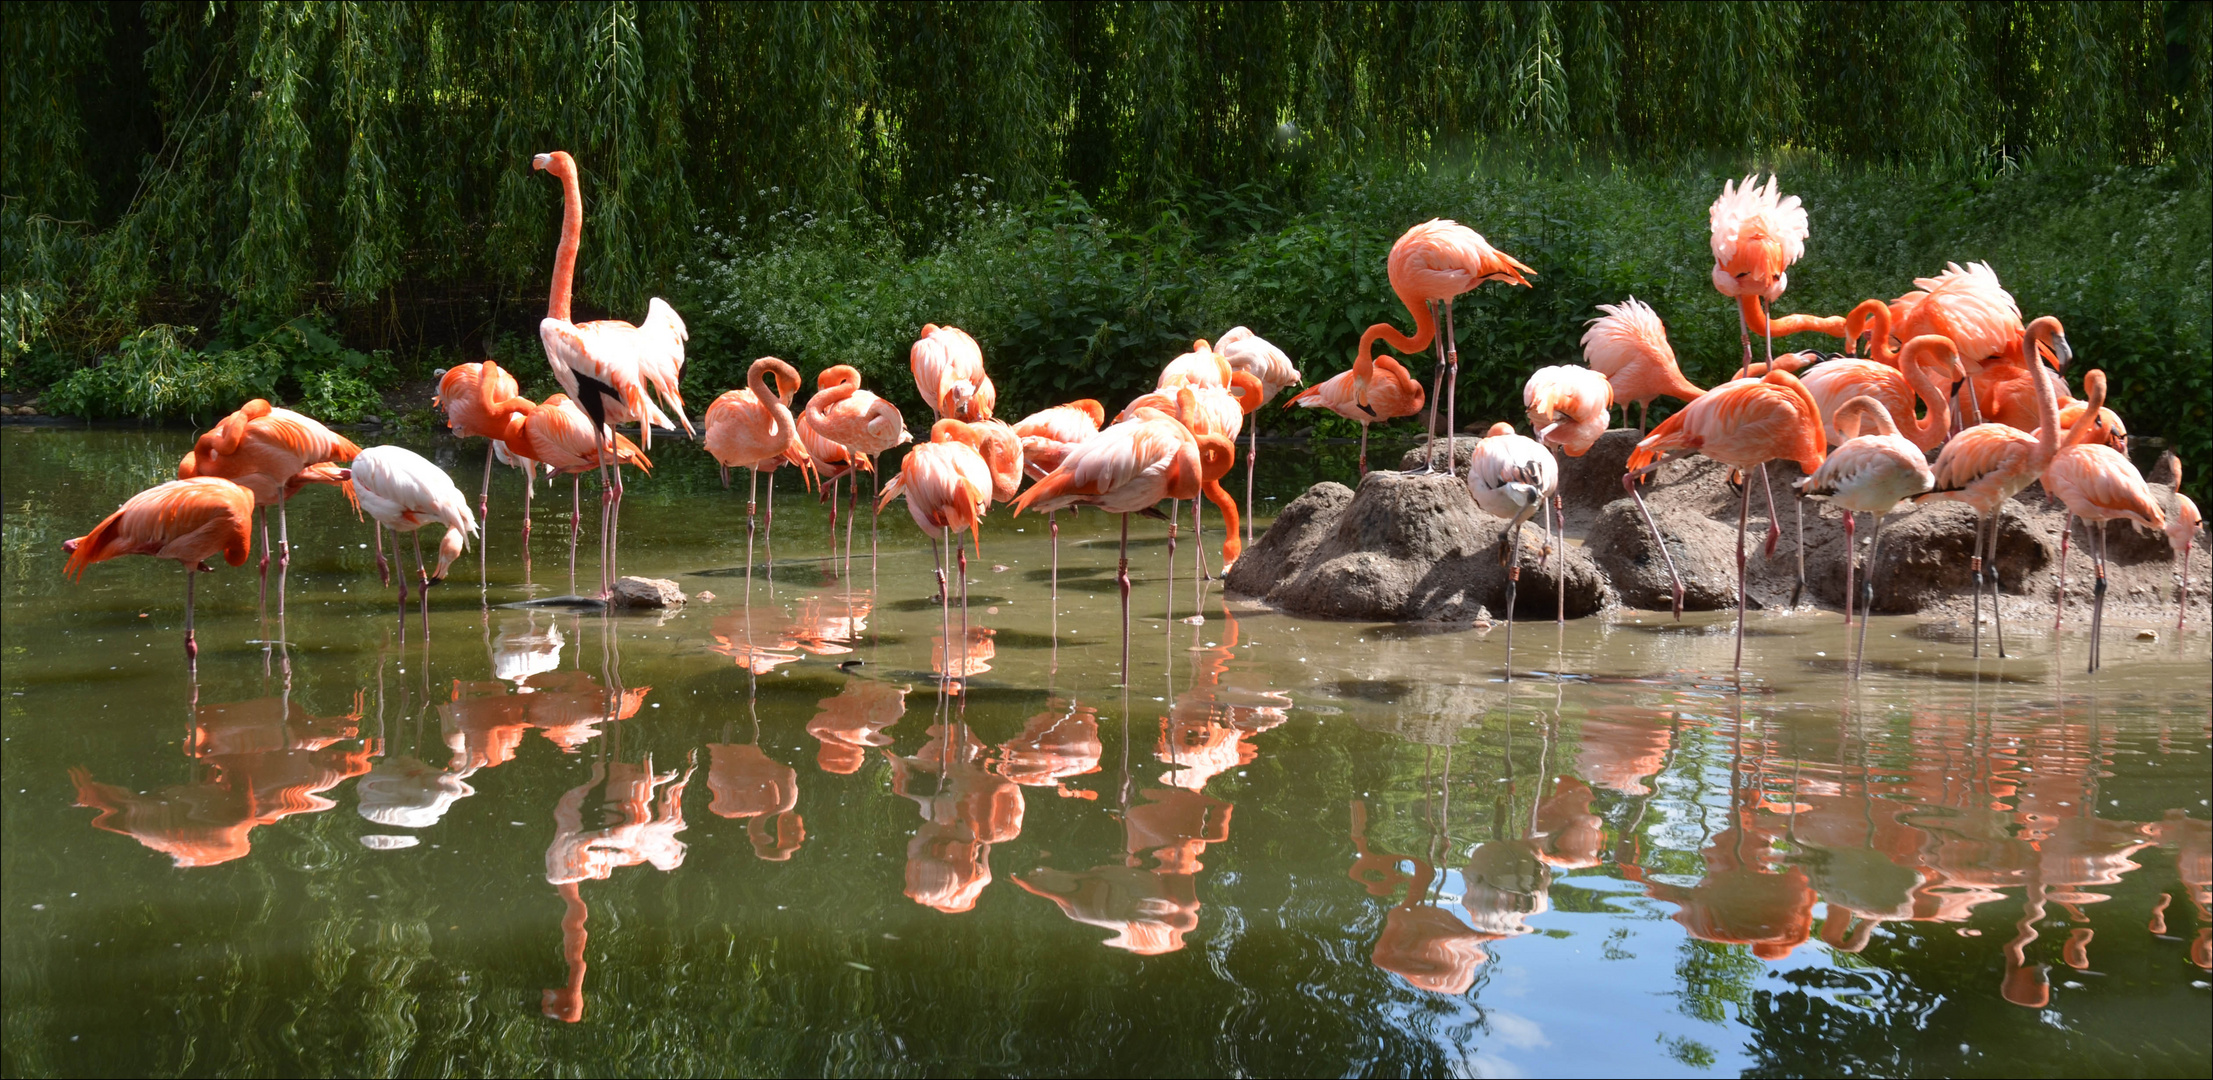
1433, 263
1871, 472
1834, 382
477, 399
606, 366
262, 448
2099, 484
1756, 234
559, 434
948, 486
1126, 469
1512, 476
1629, 346
1984, 466
190, 521
948, 369
1568, 406
1002, 451
2006, 392
1969, 306
403, 492
1247, 351
1047, 435
1393, 395
1746, 424
2182, 531
753, 429
1209, 410
858, 420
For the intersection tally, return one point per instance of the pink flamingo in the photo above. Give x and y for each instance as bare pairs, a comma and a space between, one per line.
190, 521
1047, 435
2099, 484
1629, 346
1756, 234
1834, 382
402, 491
1983, 467
606, 366
1969, 306
948, 369
1568, 406
865, 424
1249, 352
2182, 531
477, 399
1126, 469
263, 449
1433, 263
560, 434
1746, 424
1208, 410
753, 429
948, 487
1391, 395
1874, 470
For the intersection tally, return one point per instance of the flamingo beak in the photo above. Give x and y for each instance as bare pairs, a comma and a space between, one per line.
542, 161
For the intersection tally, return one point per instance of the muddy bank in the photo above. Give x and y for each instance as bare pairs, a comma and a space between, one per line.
1407, 548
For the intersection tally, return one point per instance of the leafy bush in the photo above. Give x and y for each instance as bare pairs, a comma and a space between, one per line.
155, 375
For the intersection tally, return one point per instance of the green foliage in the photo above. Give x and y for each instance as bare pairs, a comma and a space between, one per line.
156, 375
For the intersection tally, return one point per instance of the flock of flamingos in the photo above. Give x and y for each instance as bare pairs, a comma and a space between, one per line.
1950, 369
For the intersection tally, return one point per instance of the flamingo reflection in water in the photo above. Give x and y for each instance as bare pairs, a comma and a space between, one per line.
1055, 746
643, 810
2190, 842
752, 787
1421, 942
1149, 910
973, 808
852, 720
259, 762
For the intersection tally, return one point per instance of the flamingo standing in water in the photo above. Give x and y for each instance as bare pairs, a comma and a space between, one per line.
1126, 469
1392, 393
560, 435
948, 369
753, 429
2099, 484
1512, 476
2182, 531
948, 487
858, 420
1047, 435
1986, 465
264, 449
190, 521
1432, 264
1874, 470
606, 366
402, 491
1746, 424
1629, 346
477, 399
1249, 352
1209, 410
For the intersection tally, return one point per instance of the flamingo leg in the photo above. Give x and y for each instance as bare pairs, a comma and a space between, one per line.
1363, 448
576, 521
1513, 586
422, 588
2182, 591
937, 556
1867, 598
752, 491
614, 530
606, 514
384, 571
852, 509
1173, 506
1744, 515
1629, 484
1851, 558
1560, 575
1798, 510
399, 571
1252, 463
1997, 593
264, 601
284, 557
1774, 527
2097, 606
2059, 596
484, 508
1452, 392
1974, 568
1436, 390
1644, 417
1744, 334
1198, 542
530, 490
1052, 526
191, 645
1122, 581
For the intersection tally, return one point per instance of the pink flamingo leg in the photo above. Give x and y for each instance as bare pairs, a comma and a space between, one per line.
1629, 484
1122, 581
1851, 557
1744, 515
2059, 597
1452, 392
1867, 600
1997, 592
2097, 606
191, 645
384, 572
576, 522
1974, 567
2182, 592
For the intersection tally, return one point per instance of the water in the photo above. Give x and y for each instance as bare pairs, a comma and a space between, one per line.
1283, 847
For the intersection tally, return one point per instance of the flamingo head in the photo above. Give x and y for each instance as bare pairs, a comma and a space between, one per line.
950, 430
559, 163
838, 375
2051, 338
1248, 390
449, 549
1498, 429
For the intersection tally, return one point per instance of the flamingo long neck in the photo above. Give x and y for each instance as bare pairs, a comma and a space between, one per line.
1865, 413
1873, 319
2093, 391
782, 428
1755, 318
1425, 332
2047, 414
572, 234
1939, 418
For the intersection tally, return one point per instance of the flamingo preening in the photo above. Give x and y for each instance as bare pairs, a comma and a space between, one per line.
1568, 406
1871, 472
558, 434
1834, 382
948, 487
1249, 352
1513, 476
2098, 484
477, 399
1047, 435
753, 429
1745, 424
265, 450
948, 369
858, 420
2182, 531
606, 366
1392, 393
1432, 264
402, 491
1629, 346
1209, 410
1756, 234
191, 521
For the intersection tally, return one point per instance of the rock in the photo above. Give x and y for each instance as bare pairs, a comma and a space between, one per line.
638, 592
1590, 482
1408, 548
1462, 446
1704, 551
1926, 556
1283, 549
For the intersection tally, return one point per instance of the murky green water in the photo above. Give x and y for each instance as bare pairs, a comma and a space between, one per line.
759, 838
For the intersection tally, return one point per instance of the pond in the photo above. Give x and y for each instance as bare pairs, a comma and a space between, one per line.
760, 834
